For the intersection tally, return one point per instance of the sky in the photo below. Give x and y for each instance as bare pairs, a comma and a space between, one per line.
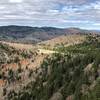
52, 13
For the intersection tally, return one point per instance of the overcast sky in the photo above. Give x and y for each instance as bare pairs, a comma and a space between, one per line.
57, 13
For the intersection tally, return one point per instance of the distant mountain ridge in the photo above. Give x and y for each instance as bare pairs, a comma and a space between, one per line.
28, 34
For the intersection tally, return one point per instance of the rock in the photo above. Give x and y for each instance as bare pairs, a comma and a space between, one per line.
69, 97
57, 96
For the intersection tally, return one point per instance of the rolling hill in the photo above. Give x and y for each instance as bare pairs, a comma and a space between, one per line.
27, 34
65, 40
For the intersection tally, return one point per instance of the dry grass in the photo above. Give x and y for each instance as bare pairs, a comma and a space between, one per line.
19, 45
66, 40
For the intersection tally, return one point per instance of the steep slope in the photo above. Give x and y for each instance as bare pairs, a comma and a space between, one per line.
5, 53
9, 54
73, 75
16, 64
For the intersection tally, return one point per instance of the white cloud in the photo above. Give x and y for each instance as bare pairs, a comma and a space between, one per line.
15, 1
50, 12
96, 24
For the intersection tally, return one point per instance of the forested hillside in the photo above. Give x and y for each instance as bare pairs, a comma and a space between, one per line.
9, 54
26, 34
71, 74
13, 62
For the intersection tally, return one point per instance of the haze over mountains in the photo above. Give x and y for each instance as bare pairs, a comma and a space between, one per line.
26, 34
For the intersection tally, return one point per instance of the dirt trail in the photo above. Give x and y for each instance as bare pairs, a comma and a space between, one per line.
44, 51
